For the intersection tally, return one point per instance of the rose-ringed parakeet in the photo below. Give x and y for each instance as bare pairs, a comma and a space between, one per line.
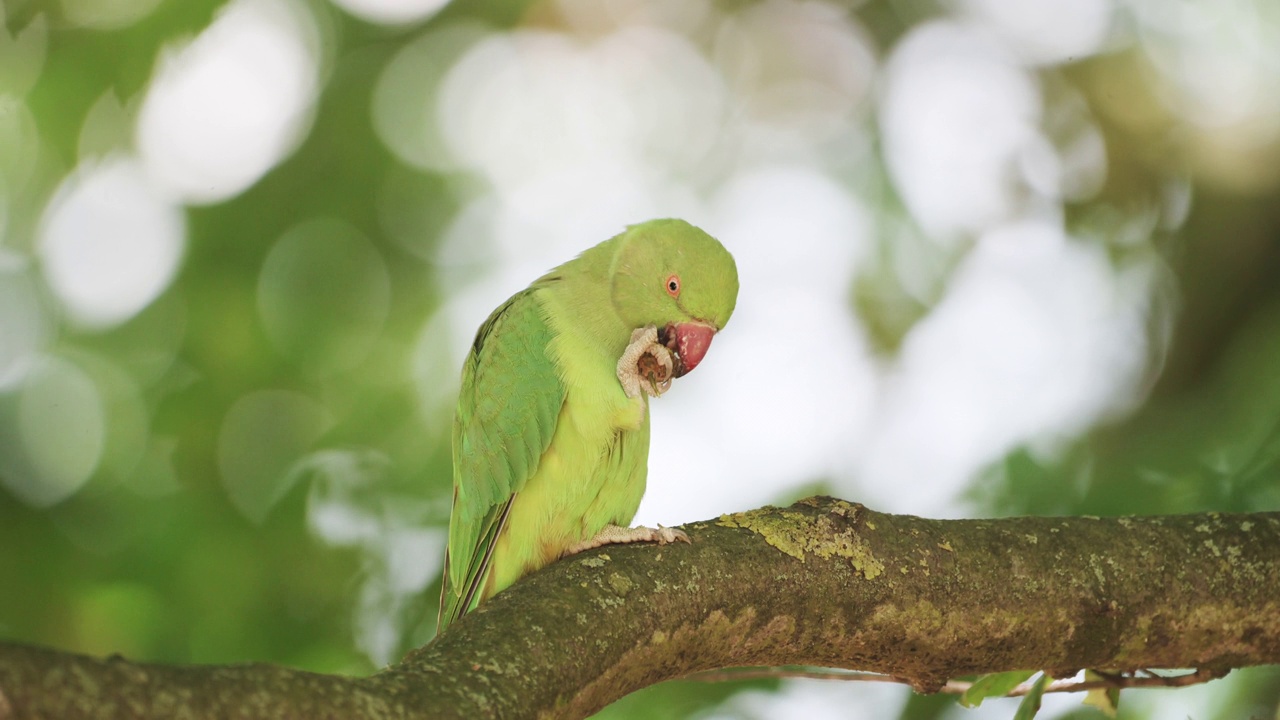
551, 436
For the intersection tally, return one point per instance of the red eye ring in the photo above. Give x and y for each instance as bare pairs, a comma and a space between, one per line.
673, 285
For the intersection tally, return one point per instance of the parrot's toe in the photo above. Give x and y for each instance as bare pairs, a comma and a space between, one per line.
665, 535
617, 535
646, 364
645, 335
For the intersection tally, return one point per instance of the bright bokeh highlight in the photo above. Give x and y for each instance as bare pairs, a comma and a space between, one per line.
106, 14
323, 296
224, 109
110, 243
24, 322
52, 433
391, 12
262, 436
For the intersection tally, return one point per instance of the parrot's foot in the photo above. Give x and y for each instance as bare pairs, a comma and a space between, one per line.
646, 365
617, 535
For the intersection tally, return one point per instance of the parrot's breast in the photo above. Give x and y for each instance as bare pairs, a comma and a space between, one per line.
593, 472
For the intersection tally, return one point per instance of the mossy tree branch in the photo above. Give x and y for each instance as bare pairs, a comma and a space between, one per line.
823, 583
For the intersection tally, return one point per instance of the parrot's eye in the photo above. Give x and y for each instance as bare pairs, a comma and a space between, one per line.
673, 286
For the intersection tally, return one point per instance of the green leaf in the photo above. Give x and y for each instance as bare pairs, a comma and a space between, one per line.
993, 685
1030, 704
1106, 699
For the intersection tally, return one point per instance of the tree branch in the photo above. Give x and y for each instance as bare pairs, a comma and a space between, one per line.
822, 583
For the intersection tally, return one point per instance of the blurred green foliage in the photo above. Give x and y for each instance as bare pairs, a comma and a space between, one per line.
153, 560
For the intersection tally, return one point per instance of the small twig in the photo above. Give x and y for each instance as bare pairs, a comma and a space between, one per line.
761, 673
958, 687
1123, 682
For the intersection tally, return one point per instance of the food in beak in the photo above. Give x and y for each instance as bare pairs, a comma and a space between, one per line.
689, 341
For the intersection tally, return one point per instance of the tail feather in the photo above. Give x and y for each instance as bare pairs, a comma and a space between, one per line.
460, 600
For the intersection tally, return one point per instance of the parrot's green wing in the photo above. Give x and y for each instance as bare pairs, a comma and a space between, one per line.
511, 396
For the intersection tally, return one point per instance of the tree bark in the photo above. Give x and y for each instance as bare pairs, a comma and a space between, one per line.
823, 582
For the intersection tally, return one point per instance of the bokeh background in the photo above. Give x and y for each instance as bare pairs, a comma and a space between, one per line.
996, 256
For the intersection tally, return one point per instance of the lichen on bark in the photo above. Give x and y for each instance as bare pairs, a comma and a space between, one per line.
798, 535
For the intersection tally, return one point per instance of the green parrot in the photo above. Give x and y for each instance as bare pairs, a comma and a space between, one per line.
551, 435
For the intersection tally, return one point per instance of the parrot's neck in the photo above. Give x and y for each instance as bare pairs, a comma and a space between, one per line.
580, 291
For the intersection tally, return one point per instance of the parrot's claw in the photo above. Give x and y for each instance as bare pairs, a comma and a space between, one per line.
668, 535
617, 535
646, 365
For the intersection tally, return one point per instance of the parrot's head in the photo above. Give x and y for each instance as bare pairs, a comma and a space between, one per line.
672, 275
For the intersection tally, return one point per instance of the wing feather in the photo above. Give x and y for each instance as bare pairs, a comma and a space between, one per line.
507, 408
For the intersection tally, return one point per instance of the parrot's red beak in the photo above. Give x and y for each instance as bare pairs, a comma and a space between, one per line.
691, 341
